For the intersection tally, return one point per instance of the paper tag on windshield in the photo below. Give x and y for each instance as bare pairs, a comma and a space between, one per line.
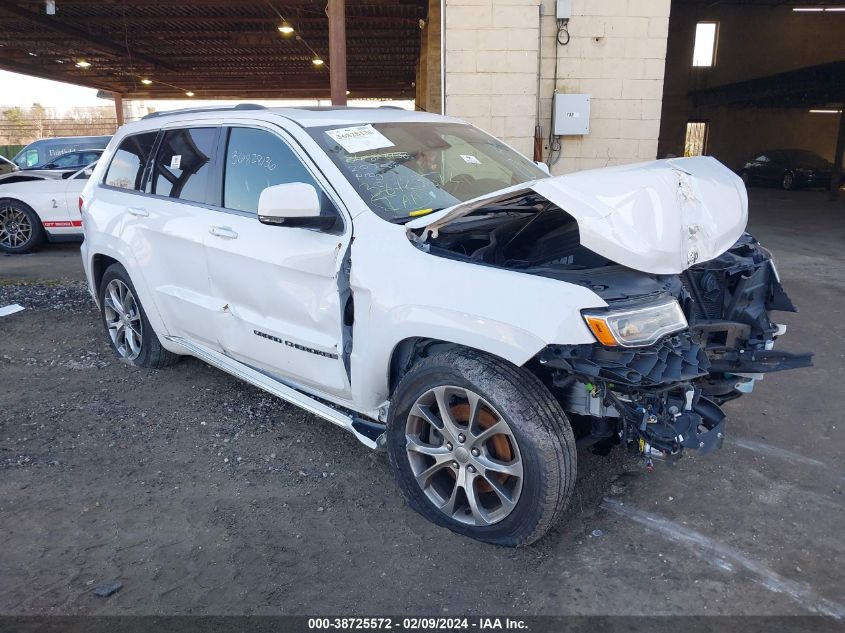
360, 138
175, 161
469, 158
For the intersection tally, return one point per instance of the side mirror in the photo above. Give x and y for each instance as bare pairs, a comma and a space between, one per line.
293, 204
543, 166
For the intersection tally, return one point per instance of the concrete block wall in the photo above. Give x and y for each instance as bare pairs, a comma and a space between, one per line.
616, 53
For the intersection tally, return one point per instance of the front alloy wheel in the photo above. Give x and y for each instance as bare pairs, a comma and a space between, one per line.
123, 319
464, 456
480, 446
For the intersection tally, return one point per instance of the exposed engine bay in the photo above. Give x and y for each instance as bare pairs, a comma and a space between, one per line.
655, 399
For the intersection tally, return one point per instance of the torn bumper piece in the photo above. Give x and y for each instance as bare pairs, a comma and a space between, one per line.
650, 391
760, 361
701, 429
671, 360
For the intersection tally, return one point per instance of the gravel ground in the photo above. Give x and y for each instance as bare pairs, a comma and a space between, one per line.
203, 495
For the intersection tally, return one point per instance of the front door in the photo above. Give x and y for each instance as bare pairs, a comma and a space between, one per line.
282, 304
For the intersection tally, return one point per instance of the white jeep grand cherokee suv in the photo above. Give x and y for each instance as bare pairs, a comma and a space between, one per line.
426, 287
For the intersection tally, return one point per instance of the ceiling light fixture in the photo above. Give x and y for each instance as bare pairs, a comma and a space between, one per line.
817, 9
285, 28
146, 81
83, 64
189, 93
825, 111
317, 61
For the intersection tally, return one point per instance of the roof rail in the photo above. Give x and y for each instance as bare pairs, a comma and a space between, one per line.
240, 106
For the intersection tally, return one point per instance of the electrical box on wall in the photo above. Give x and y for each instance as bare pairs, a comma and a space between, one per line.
572, 114
563, 9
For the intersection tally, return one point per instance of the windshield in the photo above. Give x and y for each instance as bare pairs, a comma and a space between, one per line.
405, 170
27, 157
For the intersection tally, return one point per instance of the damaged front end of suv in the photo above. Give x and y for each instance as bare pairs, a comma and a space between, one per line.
688, 295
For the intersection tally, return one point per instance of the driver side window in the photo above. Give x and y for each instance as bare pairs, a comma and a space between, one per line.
257, 159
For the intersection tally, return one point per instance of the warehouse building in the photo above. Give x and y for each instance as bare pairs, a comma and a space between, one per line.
577, 83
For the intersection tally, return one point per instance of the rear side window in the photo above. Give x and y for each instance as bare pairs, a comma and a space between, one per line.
182, 164
257, 159
127, 166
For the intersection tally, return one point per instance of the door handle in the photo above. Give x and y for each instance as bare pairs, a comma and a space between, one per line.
223, 231
139, 211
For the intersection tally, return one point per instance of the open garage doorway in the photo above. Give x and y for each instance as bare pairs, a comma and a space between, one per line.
768, 78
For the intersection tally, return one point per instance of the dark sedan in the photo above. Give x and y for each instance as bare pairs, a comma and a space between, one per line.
788, 168
72, 160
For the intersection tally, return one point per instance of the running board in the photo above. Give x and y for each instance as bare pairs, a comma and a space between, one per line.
278, 389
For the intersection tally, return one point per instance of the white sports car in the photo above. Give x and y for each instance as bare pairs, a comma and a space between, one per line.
35, 210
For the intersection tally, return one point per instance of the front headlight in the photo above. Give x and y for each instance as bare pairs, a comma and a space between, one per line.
636, 326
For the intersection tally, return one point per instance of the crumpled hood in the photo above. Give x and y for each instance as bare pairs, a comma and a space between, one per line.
659, 217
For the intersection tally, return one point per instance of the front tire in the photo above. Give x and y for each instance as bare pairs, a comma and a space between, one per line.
20, 227
130, 333
481, 447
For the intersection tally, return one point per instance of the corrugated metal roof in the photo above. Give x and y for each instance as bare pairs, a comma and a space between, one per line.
214, 48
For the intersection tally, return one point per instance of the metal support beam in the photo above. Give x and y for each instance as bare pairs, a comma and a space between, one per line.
337, 50
836, 172
118, 108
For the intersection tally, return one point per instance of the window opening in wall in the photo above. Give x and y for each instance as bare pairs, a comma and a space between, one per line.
695, 143
704, 49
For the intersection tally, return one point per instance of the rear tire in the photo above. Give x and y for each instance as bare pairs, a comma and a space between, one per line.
507, 486
21, 230
788, 181
130, 333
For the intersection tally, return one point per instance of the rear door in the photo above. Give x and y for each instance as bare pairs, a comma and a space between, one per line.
279, 285
162, 215
60, 204
47, 197
73, 187
173, 222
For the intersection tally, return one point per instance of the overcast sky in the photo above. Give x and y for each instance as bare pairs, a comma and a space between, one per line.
21, 90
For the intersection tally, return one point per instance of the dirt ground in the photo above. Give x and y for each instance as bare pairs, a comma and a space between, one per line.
203, 495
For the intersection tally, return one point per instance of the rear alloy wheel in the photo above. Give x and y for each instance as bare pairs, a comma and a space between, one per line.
788, 181
20, 228
131, 335
481, 447
123, 319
